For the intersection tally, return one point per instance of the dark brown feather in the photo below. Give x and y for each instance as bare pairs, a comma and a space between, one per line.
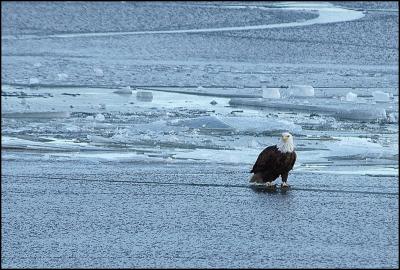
271, 163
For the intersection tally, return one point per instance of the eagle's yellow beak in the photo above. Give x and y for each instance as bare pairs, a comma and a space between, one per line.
285, 138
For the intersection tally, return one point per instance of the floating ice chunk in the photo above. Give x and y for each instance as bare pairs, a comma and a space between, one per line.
102, 106
350, 146
98, 72
364, 114
99, 117
350, 96
298, 90
89, 117
33, 81
380, 96
62, 76
124, 91
271, 93
38, 64
144, 96
204, 123
257, 124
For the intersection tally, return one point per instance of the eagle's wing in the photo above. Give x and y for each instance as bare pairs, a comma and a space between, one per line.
266, 159
293, 160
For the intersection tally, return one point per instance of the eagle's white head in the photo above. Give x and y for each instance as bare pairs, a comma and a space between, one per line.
286, 144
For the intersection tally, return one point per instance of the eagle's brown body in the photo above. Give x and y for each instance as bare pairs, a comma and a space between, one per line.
271, 163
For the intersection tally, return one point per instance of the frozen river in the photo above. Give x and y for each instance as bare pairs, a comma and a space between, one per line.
127, 139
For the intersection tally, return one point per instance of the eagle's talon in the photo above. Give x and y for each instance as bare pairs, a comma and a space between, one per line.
284, 184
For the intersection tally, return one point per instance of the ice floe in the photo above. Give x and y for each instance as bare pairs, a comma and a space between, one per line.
380, 96
204, 123
259, 125
350, 96
357, 147
180, 127
99, 117
298, 90
363, 114
271, 93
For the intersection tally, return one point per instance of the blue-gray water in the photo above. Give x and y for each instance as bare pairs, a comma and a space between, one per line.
74, 214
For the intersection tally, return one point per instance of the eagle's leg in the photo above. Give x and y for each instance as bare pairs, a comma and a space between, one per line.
284, 179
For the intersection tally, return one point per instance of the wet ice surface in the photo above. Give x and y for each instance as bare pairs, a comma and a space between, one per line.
200, 100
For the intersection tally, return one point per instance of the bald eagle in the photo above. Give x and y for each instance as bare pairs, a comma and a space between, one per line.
275, 161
